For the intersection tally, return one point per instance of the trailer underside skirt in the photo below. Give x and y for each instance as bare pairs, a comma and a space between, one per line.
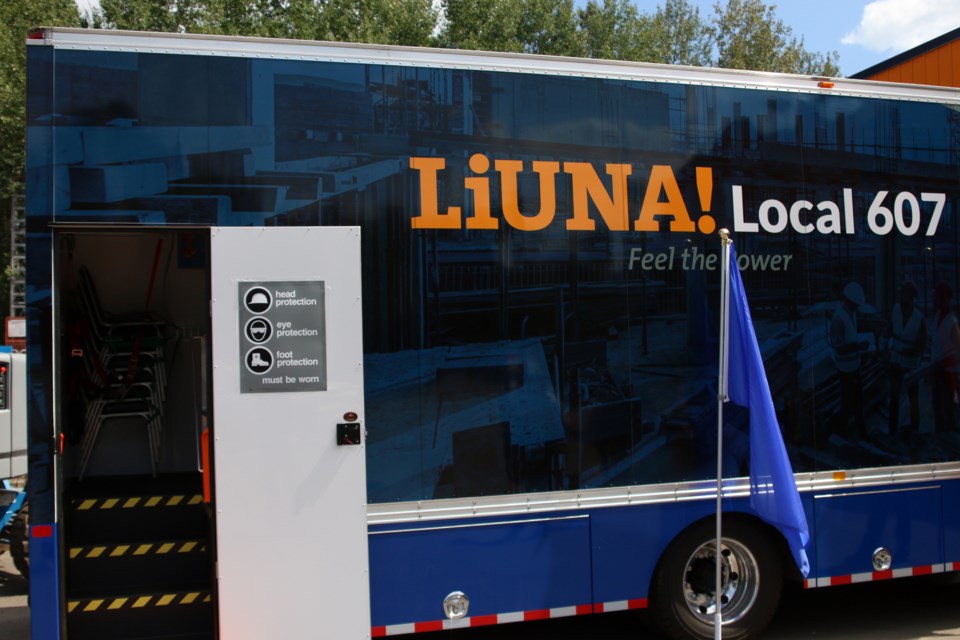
875, 576
504, 618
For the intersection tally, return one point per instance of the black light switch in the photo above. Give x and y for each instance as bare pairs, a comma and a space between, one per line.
348, 433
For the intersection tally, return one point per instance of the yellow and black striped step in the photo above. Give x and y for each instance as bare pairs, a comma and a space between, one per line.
139, 559
108, 604
90, 552
186, 613
122, 518
136, 502
138, 566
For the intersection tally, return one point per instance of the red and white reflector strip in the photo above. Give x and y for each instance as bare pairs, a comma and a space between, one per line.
620, 605
504, 618
875, 576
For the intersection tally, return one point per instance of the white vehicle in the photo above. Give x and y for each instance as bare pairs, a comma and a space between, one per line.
14, 513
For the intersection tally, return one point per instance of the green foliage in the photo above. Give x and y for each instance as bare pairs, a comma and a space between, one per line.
401, 22
680, 35
674, 34
744, 34
548, 27
521, 26
615, 30
404, 22
750, 36
484, 25
138, 15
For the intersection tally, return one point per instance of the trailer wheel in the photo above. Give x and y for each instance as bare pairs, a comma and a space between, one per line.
20, 541
683, 591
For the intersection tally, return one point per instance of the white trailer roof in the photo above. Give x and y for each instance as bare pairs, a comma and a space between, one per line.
232, 46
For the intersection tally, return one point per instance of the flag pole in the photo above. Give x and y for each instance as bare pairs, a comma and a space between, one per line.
725, 243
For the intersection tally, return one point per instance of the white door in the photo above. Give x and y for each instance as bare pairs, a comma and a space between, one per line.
288, 455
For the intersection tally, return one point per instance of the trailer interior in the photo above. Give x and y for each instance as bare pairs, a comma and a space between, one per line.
132, 354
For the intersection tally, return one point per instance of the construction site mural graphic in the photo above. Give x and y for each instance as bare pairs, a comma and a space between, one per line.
541, 277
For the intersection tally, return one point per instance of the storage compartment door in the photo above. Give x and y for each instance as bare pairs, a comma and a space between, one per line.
288, 444
900, 527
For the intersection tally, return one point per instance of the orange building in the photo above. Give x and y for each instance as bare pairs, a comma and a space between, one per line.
936, 62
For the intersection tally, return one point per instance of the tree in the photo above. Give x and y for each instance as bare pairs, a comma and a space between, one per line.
401, 22
681, 35
743, 34
484, 25
520, 26
222, 17
138, 15
549, 27
615, 30
750, 36
405, 22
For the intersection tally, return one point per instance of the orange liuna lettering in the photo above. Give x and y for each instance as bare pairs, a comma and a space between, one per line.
662, 180
481, 219
662, 197
588, 187
430, 216
511, 200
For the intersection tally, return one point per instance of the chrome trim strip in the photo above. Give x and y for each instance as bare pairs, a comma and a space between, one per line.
853, 494
280, 49
498, 523
512, 505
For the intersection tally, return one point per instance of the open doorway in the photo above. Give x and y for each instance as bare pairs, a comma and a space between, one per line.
132, 370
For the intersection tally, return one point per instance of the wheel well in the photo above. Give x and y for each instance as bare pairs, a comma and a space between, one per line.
683, 597
790, 571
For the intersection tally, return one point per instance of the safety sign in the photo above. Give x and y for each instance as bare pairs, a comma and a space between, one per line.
282, 336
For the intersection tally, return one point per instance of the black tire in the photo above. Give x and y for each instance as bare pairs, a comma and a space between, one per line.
682, 593
20, 541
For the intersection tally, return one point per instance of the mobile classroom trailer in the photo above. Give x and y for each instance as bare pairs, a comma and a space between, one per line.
330, 340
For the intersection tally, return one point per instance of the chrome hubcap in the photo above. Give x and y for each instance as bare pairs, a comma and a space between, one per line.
739, 584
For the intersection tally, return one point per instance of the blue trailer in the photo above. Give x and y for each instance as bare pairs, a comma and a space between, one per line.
370, 341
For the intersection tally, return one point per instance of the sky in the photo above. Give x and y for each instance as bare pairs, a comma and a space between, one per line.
863, 32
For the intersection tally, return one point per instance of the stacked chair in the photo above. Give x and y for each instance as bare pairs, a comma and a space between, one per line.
123, 369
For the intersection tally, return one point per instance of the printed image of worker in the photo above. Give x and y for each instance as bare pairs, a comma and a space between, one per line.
946, 348
906, 344
848, 346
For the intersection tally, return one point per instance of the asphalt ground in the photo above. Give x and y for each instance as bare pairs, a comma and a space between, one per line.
14, 612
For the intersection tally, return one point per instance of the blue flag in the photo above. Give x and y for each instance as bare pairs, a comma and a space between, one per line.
773, 490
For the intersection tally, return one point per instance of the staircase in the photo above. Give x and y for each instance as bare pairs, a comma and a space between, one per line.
139, 560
